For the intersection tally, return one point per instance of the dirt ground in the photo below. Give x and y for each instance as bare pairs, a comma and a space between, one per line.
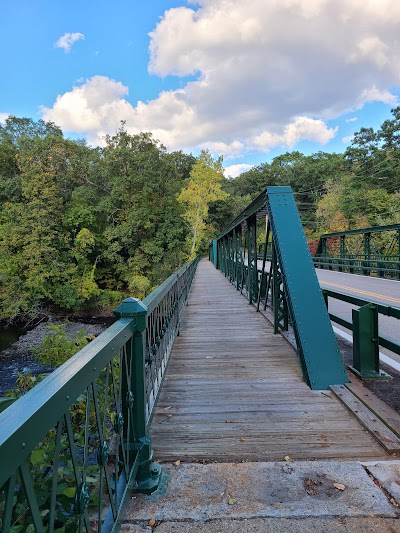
387, 390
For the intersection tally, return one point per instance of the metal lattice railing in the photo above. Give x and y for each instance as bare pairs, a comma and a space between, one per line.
373, 251
286, 284
74, 447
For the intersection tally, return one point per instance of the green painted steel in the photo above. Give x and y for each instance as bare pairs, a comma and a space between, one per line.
316, 343
388, 268
252, 259
366, 343
80, 437
384, 341
361, 231
215, 256
290, 287
379, 256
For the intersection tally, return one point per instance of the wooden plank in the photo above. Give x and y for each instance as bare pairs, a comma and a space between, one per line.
368, 419
386, 414
234, 391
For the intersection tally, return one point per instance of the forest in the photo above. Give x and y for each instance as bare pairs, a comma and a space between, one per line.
82, 227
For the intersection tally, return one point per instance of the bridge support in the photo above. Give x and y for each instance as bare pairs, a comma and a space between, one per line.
366, 343
361, 251
148, 473
291, 283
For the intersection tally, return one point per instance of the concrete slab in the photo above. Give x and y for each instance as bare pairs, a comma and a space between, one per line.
388, 476
275, 525
250, 490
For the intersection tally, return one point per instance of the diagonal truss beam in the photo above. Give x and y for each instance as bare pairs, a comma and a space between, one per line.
295, 291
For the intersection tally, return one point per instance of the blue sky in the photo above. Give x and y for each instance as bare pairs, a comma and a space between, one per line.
248, 80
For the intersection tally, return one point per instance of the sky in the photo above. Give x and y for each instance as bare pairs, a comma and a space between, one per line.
248, 80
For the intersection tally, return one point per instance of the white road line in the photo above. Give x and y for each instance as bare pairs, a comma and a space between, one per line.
323, 270
382, 357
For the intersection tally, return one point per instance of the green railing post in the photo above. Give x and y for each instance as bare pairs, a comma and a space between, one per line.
398, 254
323, 251
230, 255
351, 264
238, 256
149, 473
367, 253
366, 343
263, 284
252, 259
215, 253
342, 252
325, 297
279, 303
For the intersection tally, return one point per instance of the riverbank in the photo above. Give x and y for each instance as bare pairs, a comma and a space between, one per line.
18, 357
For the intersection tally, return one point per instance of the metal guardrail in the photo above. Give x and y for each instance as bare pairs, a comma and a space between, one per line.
378, 251
365, 328
383, 268
73, 447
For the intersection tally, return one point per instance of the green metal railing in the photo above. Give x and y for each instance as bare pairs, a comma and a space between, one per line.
365, 328
375, 266
74, 447
373, 251
287, 284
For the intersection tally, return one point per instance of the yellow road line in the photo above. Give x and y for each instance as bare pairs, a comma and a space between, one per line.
367, 293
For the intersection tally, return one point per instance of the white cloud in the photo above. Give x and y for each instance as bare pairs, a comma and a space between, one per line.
3, 117
267, 74
372, 50
94, 108
377, 95
301, 129
348, 139
233, 171
67, 40
233, 149
352, 119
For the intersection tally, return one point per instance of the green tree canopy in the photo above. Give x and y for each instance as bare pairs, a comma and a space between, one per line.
205, 186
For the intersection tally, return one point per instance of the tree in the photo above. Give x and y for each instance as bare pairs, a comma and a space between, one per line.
144, 231
204, 187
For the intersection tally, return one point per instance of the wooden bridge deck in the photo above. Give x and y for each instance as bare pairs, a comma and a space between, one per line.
234, 390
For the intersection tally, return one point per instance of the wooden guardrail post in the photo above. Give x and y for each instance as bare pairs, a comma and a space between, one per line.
148, 473
366, 343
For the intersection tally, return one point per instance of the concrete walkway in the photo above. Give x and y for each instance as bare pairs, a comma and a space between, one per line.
304, 496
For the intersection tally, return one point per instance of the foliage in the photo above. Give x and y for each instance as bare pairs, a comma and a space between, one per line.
41, 460
145, 233
79, 224
58, 346
81, 228
205, 186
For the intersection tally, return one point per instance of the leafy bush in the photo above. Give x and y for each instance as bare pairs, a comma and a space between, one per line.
108, 300
58, 346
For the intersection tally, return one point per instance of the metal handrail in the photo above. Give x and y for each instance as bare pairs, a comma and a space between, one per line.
360, 265
85, 427
365, 328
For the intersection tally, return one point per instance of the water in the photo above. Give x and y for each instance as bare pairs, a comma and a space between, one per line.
9, 335
21, 360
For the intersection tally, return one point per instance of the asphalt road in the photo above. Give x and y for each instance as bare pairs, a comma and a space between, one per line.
373, 289
378, 290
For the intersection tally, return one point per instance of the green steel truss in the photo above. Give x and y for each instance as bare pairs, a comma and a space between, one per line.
286, 284
369, 251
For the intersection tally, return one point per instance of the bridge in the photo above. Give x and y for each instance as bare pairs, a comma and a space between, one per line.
229, 375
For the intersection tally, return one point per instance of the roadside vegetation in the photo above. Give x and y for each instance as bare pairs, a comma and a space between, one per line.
81, 227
